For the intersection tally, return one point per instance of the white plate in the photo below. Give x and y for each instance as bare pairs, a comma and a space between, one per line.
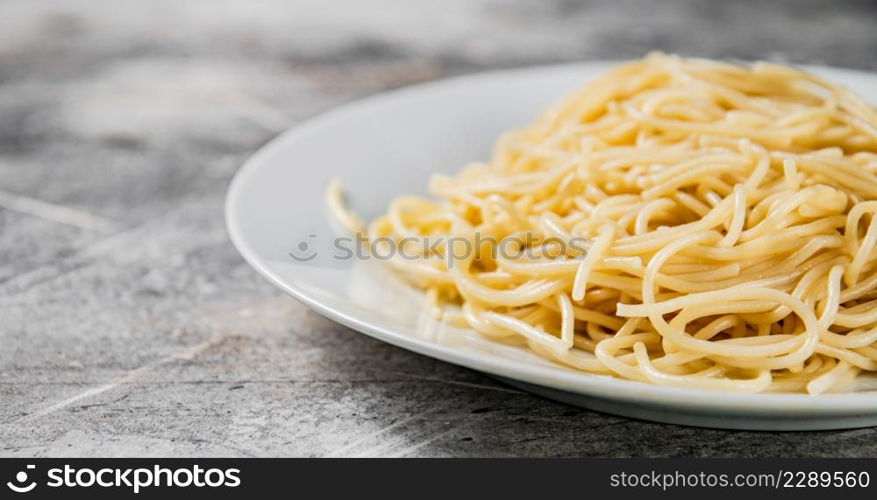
389, 145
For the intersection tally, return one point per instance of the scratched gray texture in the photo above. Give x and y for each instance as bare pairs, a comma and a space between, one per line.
130, 326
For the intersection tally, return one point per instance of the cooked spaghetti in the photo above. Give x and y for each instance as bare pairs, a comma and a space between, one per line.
731, 219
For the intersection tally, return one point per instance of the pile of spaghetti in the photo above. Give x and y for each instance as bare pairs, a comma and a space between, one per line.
731, 219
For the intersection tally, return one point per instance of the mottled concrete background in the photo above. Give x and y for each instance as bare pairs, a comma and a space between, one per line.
128, 323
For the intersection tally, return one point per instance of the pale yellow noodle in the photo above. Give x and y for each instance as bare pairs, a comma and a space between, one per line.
729, 215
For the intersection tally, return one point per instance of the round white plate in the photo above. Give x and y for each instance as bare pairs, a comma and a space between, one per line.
389, 145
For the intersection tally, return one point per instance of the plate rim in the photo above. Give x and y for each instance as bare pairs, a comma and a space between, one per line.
584, 384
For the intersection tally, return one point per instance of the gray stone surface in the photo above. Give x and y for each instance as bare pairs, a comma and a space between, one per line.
130, 326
